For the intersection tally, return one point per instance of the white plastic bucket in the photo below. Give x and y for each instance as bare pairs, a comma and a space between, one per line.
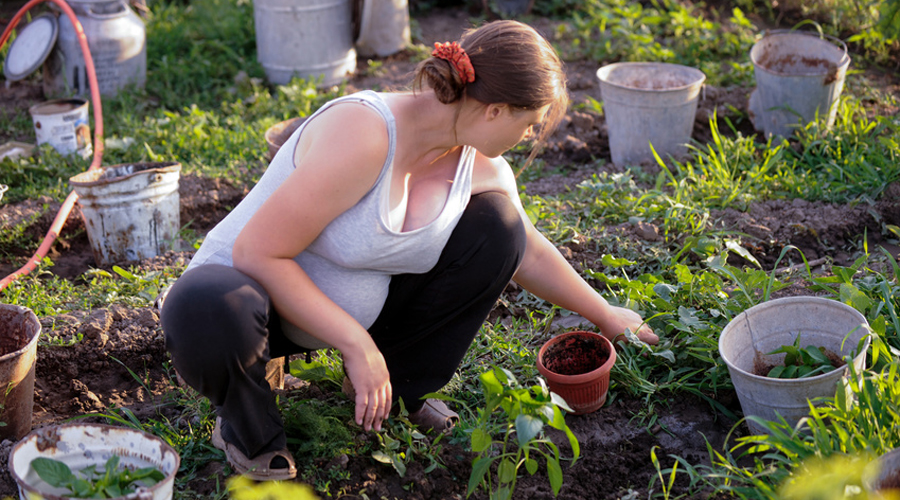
765, 327
83, 445
649, 103
384, 27
305, 38
63, 123
797, 76
131, 211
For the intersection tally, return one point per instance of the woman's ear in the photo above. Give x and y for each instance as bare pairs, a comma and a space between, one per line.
494, 111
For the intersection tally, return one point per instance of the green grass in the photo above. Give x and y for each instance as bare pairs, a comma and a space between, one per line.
207, 106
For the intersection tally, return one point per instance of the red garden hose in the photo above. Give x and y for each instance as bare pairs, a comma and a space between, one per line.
67, 205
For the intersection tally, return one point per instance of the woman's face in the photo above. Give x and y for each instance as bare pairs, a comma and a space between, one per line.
511, 127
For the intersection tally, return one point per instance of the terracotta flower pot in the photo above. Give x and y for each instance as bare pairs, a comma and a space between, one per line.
277, 134
577, 365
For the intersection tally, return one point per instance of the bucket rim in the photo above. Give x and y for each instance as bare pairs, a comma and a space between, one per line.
581, 377
787, 300
165, 448
602, 72
34, 110
95, 177
32, 341
840, 44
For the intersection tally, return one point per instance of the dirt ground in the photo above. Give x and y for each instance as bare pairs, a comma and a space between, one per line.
91, 376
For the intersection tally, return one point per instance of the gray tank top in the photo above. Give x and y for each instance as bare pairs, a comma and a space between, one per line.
353, 258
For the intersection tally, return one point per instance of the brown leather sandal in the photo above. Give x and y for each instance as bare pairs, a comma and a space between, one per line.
258, 468
433, 415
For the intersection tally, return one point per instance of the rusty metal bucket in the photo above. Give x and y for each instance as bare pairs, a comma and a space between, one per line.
131, 211
83, 445
19, 332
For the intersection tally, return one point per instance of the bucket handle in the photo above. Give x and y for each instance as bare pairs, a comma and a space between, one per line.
822, 36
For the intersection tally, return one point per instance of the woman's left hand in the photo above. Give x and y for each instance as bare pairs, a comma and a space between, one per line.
622, 318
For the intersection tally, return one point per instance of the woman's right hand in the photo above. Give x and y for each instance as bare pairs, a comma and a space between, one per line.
371, 381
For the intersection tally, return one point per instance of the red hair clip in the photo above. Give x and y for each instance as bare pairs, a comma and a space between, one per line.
457, 57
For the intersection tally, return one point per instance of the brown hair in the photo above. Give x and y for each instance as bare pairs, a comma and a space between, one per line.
513, 65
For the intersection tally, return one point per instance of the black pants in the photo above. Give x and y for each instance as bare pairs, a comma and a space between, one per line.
221, 328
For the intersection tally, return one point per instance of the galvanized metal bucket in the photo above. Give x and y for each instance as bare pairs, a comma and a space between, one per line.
131, 211
83, 445
19, 332
305, 38
649, 103
764, 328
798, 76
384, 27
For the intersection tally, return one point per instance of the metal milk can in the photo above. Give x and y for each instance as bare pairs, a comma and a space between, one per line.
117, 40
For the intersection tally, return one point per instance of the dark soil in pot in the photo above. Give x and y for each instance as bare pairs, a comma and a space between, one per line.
575, 355
762, 367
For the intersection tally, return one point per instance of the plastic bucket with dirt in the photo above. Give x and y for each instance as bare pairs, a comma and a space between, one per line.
799, 76
83, 445
577, 365
765, 327
19, 332
131, 211
63, 123
649, 103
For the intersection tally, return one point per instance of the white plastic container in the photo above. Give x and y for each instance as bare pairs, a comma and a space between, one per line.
649, 103
82, 445
797, 76
118, 43
63, 123
131, 211
764, 328
305, 38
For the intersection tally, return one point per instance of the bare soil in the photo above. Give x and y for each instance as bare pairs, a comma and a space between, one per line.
121, 361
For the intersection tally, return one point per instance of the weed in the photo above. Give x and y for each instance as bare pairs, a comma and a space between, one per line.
526, 411
111, 482
800, 362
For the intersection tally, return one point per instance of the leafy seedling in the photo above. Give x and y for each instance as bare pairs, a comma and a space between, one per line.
801, 362
111, 482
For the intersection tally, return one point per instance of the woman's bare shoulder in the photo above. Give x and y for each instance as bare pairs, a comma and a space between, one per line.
347, 131
492, 174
